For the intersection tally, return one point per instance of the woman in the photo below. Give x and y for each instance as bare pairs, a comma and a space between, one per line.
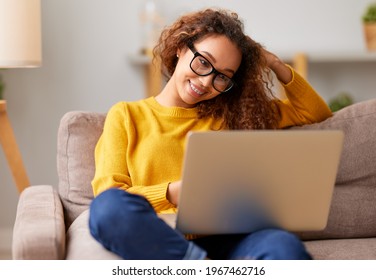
217, 80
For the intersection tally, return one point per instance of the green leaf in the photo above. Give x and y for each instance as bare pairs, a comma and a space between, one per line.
370, 14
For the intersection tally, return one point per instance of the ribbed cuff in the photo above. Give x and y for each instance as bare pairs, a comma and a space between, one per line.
297, 82
194, 252
155, 194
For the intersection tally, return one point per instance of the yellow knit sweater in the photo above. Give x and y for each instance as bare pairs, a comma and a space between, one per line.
142, 145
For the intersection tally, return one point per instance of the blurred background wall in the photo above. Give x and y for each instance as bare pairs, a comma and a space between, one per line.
86, 66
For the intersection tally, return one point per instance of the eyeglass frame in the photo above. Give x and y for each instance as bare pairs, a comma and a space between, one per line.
215, 71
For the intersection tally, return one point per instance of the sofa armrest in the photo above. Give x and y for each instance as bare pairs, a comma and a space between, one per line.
39, 229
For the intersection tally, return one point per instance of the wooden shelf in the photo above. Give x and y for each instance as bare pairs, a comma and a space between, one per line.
153, 75
139, 59
337, 57
299, 60
322, 57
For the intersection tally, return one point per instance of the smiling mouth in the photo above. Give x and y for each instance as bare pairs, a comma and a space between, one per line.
196, 90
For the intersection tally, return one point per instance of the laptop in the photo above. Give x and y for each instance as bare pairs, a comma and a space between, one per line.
242, 181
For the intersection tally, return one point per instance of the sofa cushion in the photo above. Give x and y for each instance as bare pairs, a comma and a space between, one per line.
358, 122
77, 137
353, 209
39, 231
352, 214
343, 249
81, 245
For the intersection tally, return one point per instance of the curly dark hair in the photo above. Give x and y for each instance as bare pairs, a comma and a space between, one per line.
249, 104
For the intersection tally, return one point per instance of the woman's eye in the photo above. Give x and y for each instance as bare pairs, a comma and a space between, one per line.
222, 77
204, 63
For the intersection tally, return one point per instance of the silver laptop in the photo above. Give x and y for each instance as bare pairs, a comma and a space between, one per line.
242, 181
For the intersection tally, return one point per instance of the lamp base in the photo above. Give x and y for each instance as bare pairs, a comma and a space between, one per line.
10, 148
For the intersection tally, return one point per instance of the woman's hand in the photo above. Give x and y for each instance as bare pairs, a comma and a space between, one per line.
173, 192
280, 69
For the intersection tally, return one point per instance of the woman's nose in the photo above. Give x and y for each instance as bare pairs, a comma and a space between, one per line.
206, 81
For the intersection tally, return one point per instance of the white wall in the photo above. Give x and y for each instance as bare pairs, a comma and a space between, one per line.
85, 48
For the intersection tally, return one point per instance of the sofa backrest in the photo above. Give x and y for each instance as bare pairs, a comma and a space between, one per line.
77, 136
353, 209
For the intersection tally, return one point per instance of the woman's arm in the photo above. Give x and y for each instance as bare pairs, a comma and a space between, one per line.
111, 169
282, 72
303, 104
111, 166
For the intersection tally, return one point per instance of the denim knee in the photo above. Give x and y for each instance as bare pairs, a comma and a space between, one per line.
271, 244
287, 246
116, 208
127, 225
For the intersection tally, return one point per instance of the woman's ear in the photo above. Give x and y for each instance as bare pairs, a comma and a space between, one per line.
180, 52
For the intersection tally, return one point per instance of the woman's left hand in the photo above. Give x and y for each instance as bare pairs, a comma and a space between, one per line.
173, 192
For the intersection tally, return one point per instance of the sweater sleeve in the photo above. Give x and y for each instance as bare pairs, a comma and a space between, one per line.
111, 167
303, 104
110, 152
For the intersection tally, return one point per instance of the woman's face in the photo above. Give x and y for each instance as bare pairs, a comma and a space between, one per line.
215, 54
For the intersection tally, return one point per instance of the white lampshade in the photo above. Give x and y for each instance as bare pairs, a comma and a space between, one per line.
20, 33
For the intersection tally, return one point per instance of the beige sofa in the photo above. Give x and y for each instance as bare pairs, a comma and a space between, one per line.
52, 223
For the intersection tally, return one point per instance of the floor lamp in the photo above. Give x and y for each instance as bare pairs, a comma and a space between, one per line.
20, 47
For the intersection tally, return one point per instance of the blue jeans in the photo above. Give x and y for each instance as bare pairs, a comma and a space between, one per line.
127, 225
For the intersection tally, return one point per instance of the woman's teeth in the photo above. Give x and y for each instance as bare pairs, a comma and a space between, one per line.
195, 89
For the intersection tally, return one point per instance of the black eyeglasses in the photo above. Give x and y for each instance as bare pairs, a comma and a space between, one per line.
202, 67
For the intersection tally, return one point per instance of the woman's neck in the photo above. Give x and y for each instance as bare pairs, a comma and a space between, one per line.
169, 96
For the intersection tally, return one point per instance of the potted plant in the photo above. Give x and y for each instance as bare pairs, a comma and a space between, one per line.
342, 100
369, 26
